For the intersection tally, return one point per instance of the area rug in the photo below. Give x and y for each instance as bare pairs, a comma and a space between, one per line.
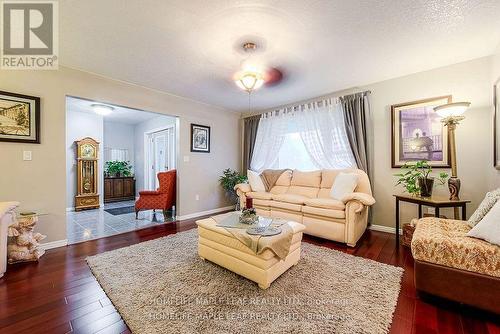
162, 286
121, 211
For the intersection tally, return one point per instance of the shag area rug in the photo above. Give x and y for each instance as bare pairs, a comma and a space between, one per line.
162, 286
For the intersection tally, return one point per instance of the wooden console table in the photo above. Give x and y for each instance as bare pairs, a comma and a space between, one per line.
119, 189
436, 202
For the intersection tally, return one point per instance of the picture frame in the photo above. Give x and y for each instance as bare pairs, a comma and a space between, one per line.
19, 118
496, 124
417, 133
200, 138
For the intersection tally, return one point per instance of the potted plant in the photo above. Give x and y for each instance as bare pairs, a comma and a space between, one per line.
416, 179
118, 168
229, 179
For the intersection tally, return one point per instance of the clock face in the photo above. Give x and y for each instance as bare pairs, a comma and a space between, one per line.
88, 151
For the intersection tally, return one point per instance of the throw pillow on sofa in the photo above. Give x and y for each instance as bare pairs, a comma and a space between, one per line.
344, 184
488, 228
488, 202
255, 181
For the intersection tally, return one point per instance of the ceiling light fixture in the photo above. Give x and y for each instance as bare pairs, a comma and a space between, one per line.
250, 77
102, 109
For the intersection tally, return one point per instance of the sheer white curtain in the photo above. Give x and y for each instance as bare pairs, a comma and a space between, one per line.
322, 129
310, 136
270, 136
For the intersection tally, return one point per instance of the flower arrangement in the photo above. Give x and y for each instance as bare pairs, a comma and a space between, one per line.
249, 216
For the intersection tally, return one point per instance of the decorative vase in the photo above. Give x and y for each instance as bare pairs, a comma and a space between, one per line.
425, 185
454, 187
249, 217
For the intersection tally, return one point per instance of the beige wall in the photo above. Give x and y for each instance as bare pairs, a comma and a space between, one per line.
468, 81
41, 183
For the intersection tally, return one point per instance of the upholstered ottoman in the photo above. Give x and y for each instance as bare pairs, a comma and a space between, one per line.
219, 246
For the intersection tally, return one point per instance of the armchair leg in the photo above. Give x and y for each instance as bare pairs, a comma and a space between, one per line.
136, 214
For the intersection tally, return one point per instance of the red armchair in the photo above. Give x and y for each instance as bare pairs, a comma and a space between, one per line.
163, 198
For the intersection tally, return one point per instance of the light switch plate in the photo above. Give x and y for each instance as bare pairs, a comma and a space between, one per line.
27, 155
186, 158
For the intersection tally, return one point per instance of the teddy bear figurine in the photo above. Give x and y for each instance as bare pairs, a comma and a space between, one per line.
23, 243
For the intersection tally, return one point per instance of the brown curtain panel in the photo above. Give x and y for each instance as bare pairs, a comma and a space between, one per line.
250, 127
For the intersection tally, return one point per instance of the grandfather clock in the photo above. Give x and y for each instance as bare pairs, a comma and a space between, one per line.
87, 196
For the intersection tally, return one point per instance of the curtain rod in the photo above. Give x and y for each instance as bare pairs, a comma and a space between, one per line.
295, 106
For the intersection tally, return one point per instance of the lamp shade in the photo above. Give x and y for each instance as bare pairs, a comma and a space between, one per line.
452, 109
249, 81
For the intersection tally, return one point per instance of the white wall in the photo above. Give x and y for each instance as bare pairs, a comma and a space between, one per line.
80, 125
139, 131
41, 183
120, 136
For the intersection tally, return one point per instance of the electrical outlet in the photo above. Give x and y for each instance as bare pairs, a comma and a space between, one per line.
197, 197
27, 155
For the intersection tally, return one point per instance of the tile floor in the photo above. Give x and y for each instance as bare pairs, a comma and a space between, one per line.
92, 224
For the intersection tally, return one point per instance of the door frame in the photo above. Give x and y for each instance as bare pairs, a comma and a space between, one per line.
147, 151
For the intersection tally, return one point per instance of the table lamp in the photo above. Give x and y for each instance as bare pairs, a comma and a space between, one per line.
451, 114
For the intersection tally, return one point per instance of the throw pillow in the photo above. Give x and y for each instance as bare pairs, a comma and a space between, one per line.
488, 202
488, 228
255, 181
344, 184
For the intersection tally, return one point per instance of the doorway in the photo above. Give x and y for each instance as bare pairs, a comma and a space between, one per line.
160, 148
133, 146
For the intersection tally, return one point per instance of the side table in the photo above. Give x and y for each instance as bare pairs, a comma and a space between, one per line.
436, 202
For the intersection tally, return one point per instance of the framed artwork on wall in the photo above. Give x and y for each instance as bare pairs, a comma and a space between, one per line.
19, 118
418, 133
200, 138
496, 124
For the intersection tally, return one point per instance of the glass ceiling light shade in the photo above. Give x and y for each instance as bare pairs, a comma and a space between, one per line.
102, 109
455, 109
249, 81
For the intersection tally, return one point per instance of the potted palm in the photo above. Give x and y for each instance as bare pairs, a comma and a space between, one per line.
417, 180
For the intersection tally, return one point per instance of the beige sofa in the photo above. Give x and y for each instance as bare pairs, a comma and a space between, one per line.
304, 197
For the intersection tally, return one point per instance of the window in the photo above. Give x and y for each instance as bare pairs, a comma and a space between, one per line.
293, 154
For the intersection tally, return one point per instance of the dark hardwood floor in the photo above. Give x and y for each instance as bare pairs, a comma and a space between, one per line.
59, 294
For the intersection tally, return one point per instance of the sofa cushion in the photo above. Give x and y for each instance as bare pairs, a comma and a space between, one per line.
279, 190
326, 203
262, 202
309, 192
344, 184
255, 181
290, 198
488, 228
284, 179
327, 213
259, 195
286, 206
328, 177
306, 179
444, 242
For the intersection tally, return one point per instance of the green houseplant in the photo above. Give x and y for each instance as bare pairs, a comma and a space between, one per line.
229, 179
118, 168
417, 180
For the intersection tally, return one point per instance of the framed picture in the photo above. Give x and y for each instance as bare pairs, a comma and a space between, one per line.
200, 138
419, 134
496, 124
19, 118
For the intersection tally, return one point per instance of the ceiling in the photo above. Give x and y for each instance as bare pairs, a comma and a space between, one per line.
190, 48
119, 114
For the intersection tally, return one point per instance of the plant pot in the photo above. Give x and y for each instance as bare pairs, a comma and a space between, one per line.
425, 186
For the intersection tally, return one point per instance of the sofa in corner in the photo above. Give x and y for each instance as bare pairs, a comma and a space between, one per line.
452, 265
304, 197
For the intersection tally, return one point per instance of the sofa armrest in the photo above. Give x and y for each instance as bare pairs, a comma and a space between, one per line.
363, 198
243, 187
